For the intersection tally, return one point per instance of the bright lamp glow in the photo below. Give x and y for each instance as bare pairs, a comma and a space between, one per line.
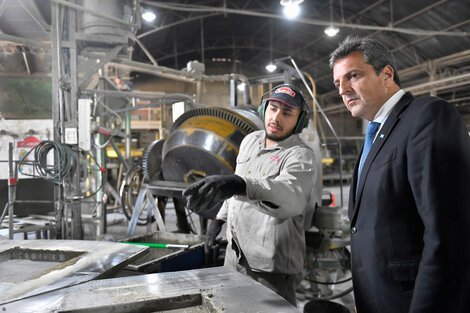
271, 67
331, 31
241, 87
149, 16
291, 10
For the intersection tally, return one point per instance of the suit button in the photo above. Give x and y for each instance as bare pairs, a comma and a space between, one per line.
353, 230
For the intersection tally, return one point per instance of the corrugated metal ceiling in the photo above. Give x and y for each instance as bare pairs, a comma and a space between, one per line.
422, 34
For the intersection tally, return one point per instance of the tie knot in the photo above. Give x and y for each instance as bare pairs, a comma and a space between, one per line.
372, 128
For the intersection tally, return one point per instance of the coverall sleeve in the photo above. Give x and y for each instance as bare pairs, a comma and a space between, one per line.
287, 194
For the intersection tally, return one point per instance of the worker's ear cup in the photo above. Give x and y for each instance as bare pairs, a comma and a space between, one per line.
262, 109
302, 122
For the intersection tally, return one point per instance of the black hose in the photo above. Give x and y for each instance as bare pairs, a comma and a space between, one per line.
329, 283
65, 165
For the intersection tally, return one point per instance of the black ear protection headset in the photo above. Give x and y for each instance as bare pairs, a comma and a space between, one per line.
302, 122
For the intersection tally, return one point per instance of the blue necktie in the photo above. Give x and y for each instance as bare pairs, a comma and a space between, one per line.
370, 135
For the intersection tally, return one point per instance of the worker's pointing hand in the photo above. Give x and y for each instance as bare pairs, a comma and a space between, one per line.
210, 191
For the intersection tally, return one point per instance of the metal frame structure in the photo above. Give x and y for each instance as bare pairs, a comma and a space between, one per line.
71, 45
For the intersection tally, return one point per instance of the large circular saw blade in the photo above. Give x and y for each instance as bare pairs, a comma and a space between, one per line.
242, 119
152, 159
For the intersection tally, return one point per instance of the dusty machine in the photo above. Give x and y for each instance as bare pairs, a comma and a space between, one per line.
203, 141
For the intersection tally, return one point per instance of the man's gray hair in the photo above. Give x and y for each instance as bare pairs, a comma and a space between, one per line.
374, 52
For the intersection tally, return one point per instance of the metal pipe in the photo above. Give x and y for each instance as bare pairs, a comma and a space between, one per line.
11, 190
201, 21
186, 20
4, 212
246, 94
119, 154
434, 84
118, 93
147, 53
128, 131
100, 180
227, 77
330, 126
233, 93
158, 70
26, 63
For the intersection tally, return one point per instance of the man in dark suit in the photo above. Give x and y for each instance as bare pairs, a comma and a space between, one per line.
409, 203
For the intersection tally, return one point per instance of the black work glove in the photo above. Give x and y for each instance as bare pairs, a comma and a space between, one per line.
214, 229
203, 195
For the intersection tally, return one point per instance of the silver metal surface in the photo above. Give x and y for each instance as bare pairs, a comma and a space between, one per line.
216, 289
160, 260
145, 200
32, 267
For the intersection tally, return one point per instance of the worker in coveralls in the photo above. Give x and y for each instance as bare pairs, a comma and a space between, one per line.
268, 198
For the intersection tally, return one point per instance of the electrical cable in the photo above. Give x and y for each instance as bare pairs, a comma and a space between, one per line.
100, 127
190, 215
65, 165
99, 168
329, 283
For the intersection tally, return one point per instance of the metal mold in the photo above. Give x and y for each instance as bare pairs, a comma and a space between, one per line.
33, 267
216, 289
187, 303
169, 259
20, 265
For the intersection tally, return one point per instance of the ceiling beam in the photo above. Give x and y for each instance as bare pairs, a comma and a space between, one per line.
214, 48
183, 21
314, 63
307, 21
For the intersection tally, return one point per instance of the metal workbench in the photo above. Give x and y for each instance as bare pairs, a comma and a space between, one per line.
216, 289
34, 267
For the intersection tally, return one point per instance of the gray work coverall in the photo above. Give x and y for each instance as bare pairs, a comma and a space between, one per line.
265, 227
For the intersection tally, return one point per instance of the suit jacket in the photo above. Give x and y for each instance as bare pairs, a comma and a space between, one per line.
410, 216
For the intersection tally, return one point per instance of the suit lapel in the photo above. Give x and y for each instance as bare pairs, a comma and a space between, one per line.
380, 140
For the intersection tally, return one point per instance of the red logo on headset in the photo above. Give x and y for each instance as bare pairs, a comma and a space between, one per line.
286, 90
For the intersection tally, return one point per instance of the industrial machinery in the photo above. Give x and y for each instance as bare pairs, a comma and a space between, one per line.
87, 48
203, 141
328, 258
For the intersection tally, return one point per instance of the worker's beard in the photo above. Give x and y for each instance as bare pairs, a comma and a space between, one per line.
278, 138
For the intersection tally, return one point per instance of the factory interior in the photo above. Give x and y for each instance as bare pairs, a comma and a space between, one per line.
109, 109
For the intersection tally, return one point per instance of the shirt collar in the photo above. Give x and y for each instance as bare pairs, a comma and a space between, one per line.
383, 113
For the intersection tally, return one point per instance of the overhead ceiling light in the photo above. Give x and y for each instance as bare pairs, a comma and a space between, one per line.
241, 86
271, 67
291, 8
148, 16
331, 31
